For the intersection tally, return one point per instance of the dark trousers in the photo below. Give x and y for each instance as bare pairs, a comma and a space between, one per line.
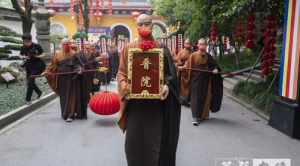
31, 86
143, 134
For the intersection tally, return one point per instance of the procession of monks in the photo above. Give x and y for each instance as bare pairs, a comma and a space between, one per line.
151, 127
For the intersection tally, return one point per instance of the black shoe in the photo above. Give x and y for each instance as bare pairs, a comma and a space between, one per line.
39, 95
196, 122
69, 120
184, 102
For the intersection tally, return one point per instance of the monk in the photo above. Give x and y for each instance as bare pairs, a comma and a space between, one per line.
184, 54
180, 61
151, 126
73, 89
205, 83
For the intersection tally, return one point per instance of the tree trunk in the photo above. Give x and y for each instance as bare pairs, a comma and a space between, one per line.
25, 14
237, 56
26, 25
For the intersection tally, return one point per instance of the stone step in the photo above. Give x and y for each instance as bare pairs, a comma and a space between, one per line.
256, 72
228, 85
232, 80
240, 77
254, 76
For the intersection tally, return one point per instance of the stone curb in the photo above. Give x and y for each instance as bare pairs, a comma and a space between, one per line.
228, 93
22, 111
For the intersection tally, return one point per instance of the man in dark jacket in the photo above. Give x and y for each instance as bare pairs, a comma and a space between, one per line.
33, 65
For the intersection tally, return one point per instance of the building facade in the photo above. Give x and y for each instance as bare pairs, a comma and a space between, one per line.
120, 24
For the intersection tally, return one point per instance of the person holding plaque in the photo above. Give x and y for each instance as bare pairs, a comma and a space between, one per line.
148, 86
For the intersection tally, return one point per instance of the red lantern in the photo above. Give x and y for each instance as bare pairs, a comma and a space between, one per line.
105, 103
98, 9
72, 9
91, 8
269, 37
80, 15
250, 34
238, 32
110, 7
213, 32
135, 14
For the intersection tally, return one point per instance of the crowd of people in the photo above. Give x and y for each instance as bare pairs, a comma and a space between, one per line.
191, 78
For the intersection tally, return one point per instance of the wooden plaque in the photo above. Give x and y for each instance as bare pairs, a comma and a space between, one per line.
145, 73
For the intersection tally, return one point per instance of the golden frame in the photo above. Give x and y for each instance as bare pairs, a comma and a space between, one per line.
145, 94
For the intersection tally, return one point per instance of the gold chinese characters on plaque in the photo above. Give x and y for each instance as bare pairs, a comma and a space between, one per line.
145, 73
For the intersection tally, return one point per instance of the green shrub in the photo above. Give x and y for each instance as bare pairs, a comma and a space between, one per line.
13, 47
4, 31
4, 50
11, 40
247, 59
3, 56
256, 93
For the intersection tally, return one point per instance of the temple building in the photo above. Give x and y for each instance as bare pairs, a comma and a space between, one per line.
115, 18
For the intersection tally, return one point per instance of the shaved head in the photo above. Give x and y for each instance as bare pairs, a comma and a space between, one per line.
187, 44
144, 18
144, 25
202, 41
202, 44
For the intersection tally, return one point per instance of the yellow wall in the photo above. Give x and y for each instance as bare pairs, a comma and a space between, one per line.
108, 21
67, 22
104, 21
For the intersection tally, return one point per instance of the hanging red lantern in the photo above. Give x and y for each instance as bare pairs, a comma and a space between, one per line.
72, 9
238, 32
91, 8
98, 8
110, 7
105, 103
269, 39
250, 34
213, 32
80, 15
135, 14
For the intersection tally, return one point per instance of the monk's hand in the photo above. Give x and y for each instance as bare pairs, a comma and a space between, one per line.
44, 73
180, 68
165, 92
125, 92
215, 71
95, 81
80, 71
98, 59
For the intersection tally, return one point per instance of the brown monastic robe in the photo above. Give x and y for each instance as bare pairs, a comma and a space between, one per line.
73, 89
200, 83
180, 61
152, 126
52, 68
182, 56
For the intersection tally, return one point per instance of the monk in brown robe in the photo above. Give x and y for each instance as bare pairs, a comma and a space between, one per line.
151, 126
203, 78
180, 61
73, 88
184, 54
